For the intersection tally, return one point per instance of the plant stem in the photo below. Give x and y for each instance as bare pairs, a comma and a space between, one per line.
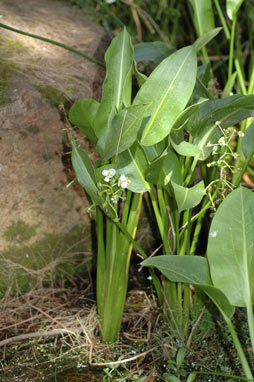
222, 19
231, 49
191, 171
238, 348
54, 43
250, 322
240, 77
100, 281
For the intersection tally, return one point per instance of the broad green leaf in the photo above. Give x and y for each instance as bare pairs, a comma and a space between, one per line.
132, 163
228, 111
122, 132
168, 88
162, 170
248, 141
181, 146
187, 269
84, 172
117, 84
191, 270
205, 38
188, 197
155, 151
202, 15
231, 247
219, 299
232, 8
82, 114
152, 51
184, 116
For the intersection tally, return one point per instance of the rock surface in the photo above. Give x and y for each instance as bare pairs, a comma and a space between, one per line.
38, 76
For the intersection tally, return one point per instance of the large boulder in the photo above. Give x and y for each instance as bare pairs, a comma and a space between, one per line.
42, 222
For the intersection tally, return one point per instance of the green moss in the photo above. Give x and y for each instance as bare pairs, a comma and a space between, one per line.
47, 157
23, 134
8, 47
12, 47
6, 72
34, 129
54, 96
52, 259
19, 232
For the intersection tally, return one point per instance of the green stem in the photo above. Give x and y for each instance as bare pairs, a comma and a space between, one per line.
251, 83
156, 280
237, 180
222, 19
240, 77
239, 348
231, 49
250, 322
54, 43
100, 280
191, 171
158, 219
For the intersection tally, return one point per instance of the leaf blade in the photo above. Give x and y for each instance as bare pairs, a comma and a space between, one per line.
172, 81
230, 248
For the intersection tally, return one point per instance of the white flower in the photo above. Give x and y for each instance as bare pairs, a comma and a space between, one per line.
110, 1
123, 181
108, 174
241, 133
114, 198
222, 142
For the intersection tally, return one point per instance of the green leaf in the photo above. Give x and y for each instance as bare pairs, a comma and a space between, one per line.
187, 269
168, 88
184, 116
180, 357
188, 197
132, 163
117, 84
163, 169
203, 16
232, 8
152, 51
155, 151
228, 111
191, 270
122, 133
171, 378
182, 147
82, 114
192, 376
84, 172
248, 141
205, 38
231, 247
141, 78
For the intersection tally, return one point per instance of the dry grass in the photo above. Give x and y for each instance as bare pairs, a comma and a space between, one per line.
60, 326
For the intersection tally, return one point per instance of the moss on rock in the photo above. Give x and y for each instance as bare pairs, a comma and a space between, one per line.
19, 232
53, 95
50, 260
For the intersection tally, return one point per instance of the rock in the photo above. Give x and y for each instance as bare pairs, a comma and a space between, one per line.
41, 219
